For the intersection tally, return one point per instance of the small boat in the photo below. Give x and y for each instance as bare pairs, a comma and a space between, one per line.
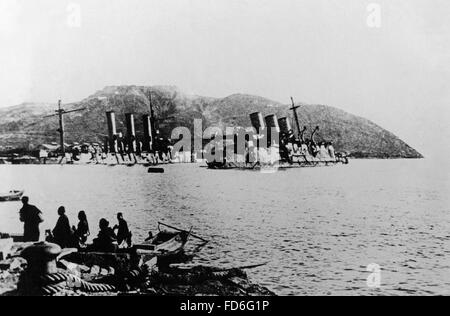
11, 196
4, 161
167, 245
164, 244
156, 170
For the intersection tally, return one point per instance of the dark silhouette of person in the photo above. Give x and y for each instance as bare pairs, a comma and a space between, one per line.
106, 240
62, 232
31, 217
82, 232
123, 232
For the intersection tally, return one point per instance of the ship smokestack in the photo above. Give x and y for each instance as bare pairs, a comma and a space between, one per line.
258, 121
285, 125
148, 137
272, 122
131, 133
112, 131
273, 130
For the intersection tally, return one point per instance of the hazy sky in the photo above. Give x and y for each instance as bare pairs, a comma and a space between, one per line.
319, 51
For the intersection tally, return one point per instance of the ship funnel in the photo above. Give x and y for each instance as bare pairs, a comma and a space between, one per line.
112, 131
257, 121
148, 137
272, 122
131, 132
273, 130
285, 125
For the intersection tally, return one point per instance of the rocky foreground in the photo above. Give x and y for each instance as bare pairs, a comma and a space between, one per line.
83, 274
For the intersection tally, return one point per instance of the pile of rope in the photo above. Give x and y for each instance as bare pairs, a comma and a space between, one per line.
57, 283
53, 284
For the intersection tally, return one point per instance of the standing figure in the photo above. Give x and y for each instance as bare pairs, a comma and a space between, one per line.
62, 233
323, 152
82, 231
31, 217
123, 233
331, 151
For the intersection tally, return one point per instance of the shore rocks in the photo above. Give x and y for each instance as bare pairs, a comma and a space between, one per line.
13, 264
204, 281
95, 274
10, 270
5, 247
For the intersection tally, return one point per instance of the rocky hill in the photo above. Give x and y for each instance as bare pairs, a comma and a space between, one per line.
25, 126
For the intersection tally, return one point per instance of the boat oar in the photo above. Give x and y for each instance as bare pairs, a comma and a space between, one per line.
254, 266
183, 266
189, 234
182, 230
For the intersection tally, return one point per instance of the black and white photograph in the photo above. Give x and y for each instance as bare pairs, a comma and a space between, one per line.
224, 152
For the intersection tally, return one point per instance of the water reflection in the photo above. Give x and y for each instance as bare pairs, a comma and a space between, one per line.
318, 228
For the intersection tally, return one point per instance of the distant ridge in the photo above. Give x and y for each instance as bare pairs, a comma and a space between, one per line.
24, 126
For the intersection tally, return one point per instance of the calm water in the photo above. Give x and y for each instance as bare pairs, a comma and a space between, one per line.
318, 228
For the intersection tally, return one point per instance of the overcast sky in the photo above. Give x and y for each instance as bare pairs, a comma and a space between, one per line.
392, 67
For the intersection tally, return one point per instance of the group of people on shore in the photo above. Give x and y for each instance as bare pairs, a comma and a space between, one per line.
108, 239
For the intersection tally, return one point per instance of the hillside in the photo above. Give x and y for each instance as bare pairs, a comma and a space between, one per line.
24, 126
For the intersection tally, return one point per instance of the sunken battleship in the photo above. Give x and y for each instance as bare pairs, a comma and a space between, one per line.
272, 142
117, 149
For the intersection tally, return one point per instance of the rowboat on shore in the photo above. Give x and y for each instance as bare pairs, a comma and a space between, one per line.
168, 242
165, 244
13, 195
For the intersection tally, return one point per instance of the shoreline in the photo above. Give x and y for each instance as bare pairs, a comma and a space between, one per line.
94, 274
56, 163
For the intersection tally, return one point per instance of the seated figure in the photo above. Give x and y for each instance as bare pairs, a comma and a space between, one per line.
106, 240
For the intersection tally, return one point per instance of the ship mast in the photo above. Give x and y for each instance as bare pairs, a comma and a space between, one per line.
297, 121
60, 112
152, 114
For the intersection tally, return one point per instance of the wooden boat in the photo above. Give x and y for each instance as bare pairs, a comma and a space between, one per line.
4, 161
168, 246
156, 170
164, 244
11, 196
